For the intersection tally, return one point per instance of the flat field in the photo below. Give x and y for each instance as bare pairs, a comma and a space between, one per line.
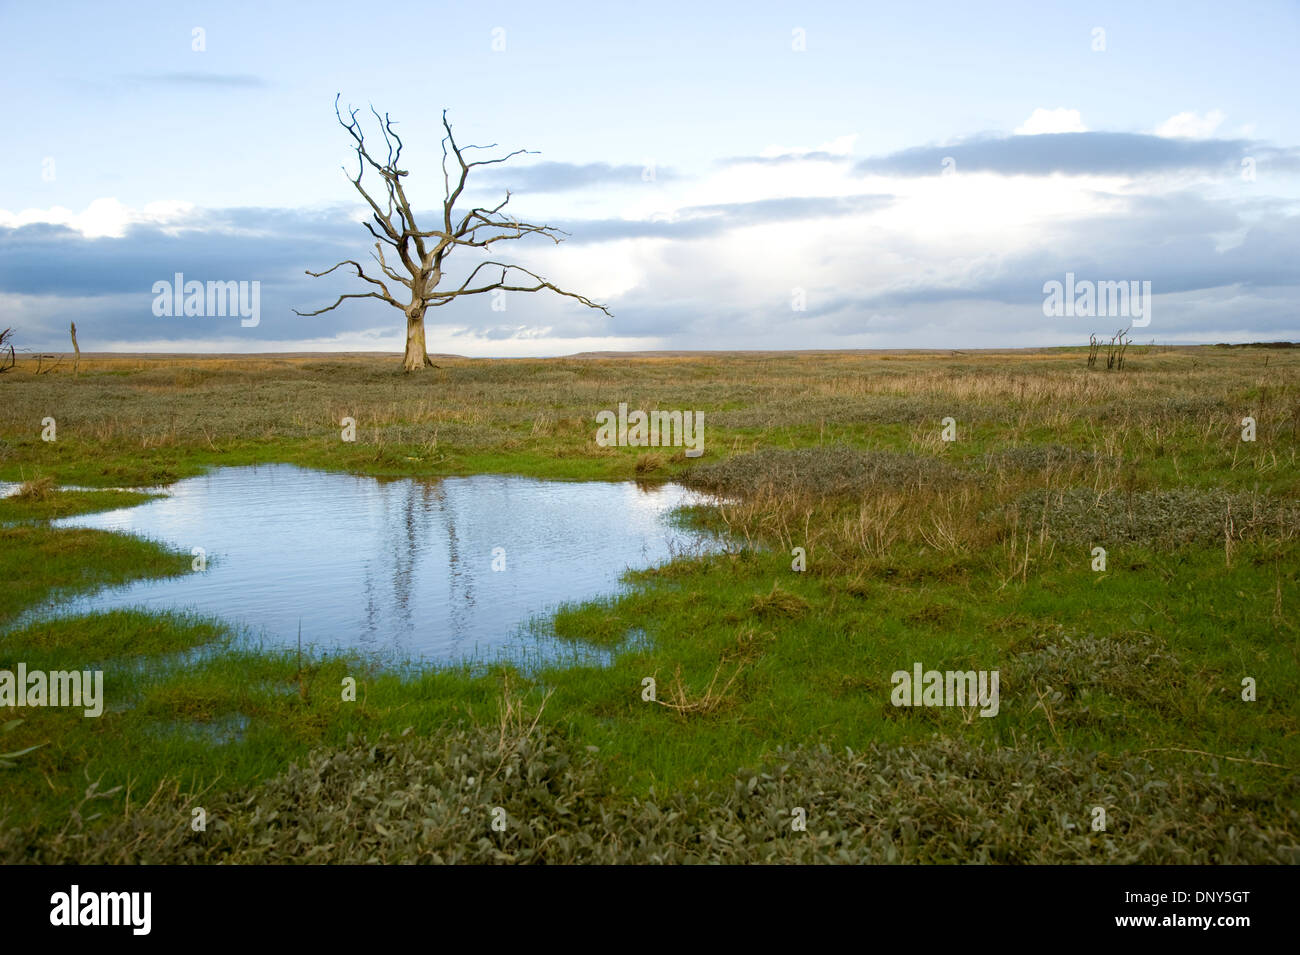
1147, 712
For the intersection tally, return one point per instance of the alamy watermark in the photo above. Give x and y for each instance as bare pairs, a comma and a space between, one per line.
215, 300
1089, 299
651, 429
75, 688
946, 688
75, 907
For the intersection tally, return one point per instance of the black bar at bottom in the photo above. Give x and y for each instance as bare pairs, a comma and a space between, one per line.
208, 905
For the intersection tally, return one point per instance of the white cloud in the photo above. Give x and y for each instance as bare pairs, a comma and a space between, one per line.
839, 146
1059, 120
441, 340
473, 343
1190, 125
102, 218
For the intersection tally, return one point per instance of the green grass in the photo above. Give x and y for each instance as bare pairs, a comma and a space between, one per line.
40, 564
68, 504
971, 555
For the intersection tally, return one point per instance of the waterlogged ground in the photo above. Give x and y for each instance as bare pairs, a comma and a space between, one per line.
440, 570
1158, 686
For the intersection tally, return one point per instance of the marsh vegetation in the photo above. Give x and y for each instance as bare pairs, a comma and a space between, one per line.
1122, 688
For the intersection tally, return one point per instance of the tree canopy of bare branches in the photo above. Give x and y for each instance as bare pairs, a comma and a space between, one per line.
410, 276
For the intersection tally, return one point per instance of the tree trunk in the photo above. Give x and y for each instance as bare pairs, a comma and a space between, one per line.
416, 355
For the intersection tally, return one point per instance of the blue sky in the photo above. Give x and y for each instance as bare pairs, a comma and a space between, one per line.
912, 176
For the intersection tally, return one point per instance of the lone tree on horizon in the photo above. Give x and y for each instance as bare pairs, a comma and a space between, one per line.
422, 253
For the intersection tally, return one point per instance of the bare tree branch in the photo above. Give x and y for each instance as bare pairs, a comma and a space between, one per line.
422, 252
442, 298
386, 296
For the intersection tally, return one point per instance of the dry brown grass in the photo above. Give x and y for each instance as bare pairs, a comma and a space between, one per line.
684, 702
292, 395
649, 463
37, 489
779, 603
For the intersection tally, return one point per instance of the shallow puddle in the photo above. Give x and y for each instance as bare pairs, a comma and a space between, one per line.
442, 570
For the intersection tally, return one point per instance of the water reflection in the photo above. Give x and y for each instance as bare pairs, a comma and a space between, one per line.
402, 567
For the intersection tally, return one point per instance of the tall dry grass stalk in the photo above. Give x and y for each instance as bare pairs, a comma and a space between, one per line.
711, 699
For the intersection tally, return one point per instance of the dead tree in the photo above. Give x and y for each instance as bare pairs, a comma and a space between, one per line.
6, 342
76, 348
1115, 350
1093, 345
422, 254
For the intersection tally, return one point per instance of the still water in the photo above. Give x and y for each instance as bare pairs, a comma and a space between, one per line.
398, 567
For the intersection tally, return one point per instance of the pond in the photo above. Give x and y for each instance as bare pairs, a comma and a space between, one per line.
453, 569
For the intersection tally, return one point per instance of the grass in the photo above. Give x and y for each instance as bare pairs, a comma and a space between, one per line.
49, 504
1120, 688
40, 564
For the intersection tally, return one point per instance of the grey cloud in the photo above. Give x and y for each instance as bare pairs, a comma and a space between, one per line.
33, 258
785, 159
109, 292
503, 332
696, 222
192, 78
1152, 248
1081, 154
566, 177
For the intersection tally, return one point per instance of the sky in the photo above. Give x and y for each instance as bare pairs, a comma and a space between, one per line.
731, 176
